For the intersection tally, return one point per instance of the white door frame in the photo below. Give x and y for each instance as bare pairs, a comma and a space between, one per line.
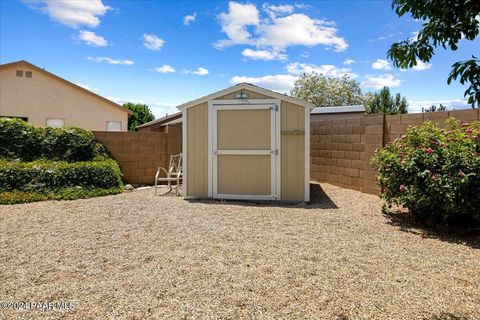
244, 104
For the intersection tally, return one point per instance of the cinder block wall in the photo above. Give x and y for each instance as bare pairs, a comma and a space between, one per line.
341, 149
140, 153
396, 125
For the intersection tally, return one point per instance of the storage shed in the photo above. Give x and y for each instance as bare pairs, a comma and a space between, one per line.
246, 142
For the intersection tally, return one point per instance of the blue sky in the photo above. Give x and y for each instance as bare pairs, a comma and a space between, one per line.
164, 53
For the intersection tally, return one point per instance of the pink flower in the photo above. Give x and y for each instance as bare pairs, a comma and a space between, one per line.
402, 188
469, 130
461, 173
428, 150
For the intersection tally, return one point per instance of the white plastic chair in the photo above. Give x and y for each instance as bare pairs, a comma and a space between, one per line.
174, 173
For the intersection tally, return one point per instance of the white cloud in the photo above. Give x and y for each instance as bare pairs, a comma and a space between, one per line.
189, 19
422, 66
348, 62
92, 39
299, 29
263, 54
414, 36
417, 105
277, 32
166, 68
152, 42
201, 71
385, 37
325, 69
273, 10
381, 64
378, 82
282, 83
110, 60
71, 13
235, 23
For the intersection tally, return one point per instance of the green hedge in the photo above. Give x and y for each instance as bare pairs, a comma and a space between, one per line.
46, 163
16, 196
434, 172
22, 141
40, 180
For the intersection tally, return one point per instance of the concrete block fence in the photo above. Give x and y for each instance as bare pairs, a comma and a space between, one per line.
341, 149
141, 153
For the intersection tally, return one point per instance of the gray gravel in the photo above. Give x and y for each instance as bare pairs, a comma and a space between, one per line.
136, 256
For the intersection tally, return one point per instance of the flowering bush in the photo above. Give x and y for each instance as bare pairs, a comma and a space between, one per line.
434, 172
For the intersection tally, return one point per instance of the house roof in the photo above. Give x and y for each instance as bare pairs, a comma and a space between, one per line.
15, 63
339, 109
171, 118
245, 86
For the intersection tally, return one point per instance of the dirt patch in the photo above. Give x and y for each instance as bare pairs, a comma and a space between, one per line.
136, 256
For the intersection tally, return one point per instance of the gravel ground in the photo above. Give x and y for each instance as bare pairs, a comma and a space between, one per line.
136, 256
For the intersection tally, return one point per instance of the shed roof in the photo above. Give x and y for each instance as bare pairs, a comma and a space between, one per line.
246, 86
339, 109
76, 86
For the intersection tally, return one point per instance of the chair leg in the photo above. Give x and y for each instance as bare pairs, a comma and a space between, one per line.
156, 187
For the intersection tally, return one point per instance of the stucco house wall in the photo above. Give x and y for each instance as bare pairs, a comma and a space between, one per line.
44, 95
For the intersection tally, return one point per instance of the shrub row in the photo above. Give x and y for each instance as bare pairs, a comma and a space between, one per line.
22, 141
56, 175
434, 172
17, 196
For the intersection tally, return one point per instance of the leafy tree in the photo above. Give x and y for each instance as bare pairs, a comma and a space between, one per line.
446, 22
434, 108
384, 102
327, 91
141, 114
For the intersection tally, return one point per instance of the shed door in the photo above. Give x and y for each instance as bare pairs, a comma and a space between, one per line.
245, 152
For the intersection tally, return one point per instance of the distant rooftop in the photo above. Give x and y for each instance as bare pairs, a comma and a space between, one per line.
339, 109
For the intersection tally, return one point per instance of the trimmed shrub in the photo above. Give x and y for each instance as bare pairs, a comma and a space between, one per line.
434, 172
22, 141
46, 163
39, 180
71, 144
52, 176
16, 196
19, 140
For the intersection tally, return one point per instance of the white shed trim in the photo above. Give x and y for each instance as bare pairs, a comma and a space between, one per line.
245, 86
307, 157
184, 153
213, 107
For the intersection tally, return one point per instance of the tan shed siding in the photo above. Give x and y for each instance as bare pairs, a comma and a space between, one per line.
243, 130
251, 94
292, 152
197, 151
244, 174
